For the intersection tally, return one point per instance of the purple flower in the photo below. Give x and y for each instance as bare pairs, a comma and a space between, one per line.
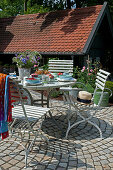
38, 58
32, 61
27, 57
24, 60
20, 56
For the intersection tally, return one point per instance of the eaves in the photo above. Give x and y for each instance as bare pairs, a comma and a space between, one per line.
104, 11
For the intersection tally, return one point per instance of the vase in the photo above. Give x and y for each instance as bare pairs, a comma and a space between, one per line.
24, 72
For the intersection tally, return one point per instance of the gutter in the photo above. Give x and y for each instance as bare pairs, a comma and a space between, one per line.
52, 53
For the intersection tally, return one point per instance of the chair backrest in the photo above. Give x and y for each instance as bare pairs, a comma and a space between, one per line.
15, 98
63, 66
100, 83
20, 112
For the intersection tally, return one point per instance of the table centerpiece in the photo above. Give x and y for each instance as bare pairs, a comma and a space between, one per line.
26, 60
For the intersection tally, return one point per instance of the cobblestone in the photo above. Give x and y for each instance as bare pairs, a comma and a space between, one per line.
83, 150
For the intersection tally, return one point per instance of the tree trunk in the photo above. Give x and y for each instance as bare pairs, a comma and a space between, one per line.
25, 5
68, 4
78, 4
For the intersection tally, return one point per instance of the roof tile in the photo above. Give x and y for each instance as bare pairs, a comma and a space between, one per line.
60, 31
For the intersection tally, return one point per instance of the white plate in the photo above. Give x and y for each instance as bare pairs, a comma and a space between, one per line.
33, 84
65, 80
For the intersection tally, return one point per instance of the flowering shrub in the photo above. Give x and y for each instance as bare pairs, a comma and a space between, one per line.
87, 75
27, 59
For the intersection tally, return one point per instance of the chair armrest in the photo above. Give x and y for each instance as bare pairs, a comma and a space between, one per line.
82, 85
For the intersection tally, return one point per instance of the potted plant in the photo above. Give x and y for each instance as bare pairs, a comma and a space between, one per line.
26, 60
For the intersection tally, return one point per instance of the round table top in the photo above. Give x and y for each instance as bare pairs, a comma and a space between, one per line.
46, 86
49, 85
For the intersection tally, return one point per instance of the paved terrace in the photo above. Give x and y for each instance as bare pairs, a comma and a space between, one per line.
83, 150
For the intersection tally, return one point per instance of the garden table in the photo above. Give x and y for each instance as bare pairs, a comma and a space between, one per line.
48, 87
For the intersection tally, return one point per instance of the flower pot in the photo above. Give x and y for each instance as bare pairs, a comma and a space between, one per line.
24, 72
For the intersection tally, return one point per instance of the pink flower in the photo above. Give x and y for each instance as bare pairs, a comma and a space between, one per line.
82, 70
89, 74
91, 70
35, 66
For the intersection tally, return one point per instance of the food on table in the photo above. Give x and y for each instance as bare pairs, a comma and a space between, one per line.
34, 75
39, 72
46, 72
51, 76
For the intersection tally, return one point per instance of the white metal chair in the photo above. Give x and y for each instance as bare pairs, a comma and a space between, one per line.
86, 111
24, 118
62, 66
59, 66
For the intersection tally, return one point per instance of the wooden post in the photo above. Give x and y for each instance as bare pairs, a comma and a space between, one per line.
88, 63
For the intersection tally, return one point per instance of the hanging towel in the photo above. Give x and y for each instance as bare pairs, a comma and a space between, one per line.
5, 105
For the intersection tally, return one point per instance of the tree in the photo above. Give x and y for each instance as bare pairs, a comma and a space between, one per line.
78, 3
69, 4
11, 8
15, 7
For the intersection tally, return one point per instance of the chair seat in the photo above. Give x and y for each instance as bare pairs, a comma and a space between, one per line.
32, 112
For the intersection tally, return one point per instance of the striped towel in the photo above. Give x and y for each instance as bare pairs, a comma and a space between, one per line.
5, 105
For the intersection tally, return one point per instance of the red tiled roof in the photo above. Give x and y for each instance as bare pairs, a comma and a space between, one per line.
55, 32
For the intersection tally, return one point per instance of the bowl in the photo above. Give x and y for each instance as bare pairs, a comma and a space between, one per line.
34, 75
65, 74
33, 80
55, 74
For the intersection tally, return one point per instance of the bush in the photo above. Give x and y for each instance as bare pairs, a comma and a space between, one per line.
55, 93
45, 67
109, 84
90, 89
87, 75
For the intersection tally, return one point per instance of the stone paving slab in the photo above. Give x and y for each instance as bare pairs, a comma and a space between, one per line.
83, 150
